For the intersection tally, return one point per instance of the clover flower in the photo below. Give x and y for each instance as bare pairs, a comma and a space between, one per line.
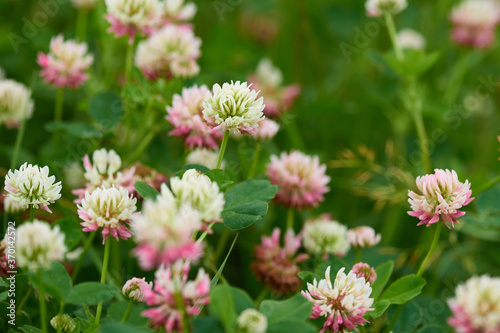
252, 321
234, 107
63, 323
104, 172
37, 245
15, 103
163, 231
186, 116
169, 52
442, 197
276, 266
108, 208
476, 306
65, 64
205, 157
145, 174
170, 282
176, 12
267, 129
31, 185
135, 289
342, 303
322, 236
131, 17
410, 39
474, 22
379, 7
363, 236
12, 206
301, 179
269, 80
363, 270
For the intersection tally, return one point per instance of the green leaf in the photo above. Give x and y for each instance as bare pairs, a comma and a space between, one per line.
242, 300
72, 231
199, 167
29, 329
216, 278
432, 329
246, 203
221, 177
3, 295
384, 272
403, 289
90, 293
3, 283
222, 306
75, 129
106, 109
295, 308
146, 191
409, 319
114, 327
414, 63
56, 281
207, 324
379, 308
482, 227
116, 311
291, 327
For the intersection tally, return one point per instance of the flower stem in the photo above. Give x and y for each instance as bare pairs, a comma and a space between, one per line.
43, 308
488, 185
289, 219
255, 160
128, 60
79, 263
391, 28
23, 301
180, 307
435, 240
59, 105
222, 149
358, 254
81, 25
32, 213
103, 276
127, 312
19, 141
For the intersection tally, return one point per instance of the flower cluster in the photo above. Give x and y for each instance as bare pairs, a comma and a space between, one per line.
476, 305
63, 322
474, 22
135, 289
363, 270
203, 156
323, 236
15, 103
343, 303
108, 208
442, 197
37, 245
410, 39
176, 12
379, 7
363, 236
269, 80
65, 64
252, 321
32, 185
301, 179
169, 52
171, 283
234, 107
267, 129
276, 266
186, 116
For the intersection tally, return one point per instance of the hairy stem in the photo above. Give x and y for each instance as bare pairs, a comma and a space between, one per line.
222, 149
103, 276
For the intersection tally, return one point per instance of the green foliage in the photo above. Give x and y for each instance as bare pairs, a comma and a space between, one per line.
288, 316
72, 231
90, 293
222, 306
221, 177
146, 191
384, 272
404, 289
415, 63
106, 110
56, 281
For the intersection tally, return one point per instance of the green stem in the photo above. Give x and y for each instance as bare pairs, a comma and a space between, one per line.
222, 149
289, 219
358, 254
395, 317
43, 307
204, 234
488, 185
81, 25
58, 114
261, 296
391, 28
103, 276
255, 159
457, 77
221, 245
180, 307
79, 263
61, 310
19, 141
23, 301
127, 312
32, 213
128, 60
435, 240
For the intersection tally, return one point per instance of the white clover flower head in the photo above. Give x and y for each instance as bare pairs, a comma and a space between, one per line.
37, 245
325, 236
363, 236
476, 305
343, 302
199, 191
175, 11
12, 206
268, 74
136, 13
31, 185
84, 4
204, 156
15, 103
74, 254
234, 107
107, 208
267, 129
63, 322
411, 39
106, 164
135, 288
252, 321
379, 7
